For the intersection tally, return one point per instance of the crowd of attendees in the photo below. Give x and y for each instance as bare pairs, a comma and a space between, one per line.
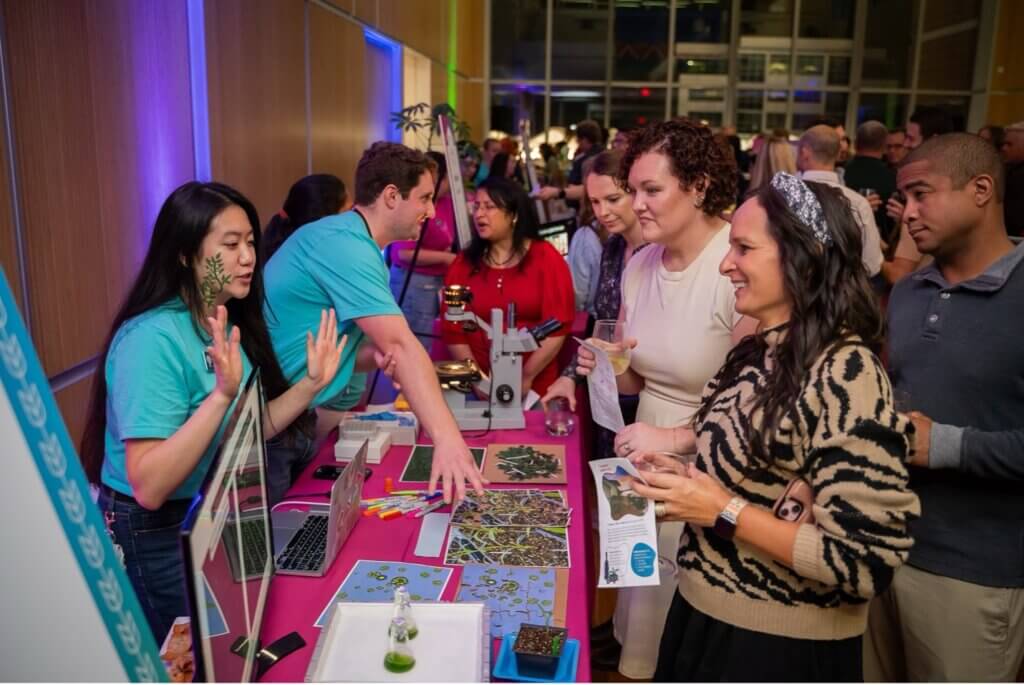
825, 390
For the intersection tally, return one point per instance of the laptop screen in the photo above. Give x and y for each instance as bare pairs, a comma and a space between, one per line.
558, 233
227, 549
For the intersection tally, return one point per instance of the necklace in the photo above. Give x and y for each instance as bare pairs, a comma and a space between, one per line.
493, 262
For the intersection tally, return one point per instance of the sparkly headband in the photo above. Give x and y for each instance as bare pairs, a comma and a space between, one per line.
803, 203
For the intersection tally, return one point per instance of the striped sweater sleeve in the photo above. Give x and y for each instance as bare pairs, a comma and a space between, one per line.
855, 448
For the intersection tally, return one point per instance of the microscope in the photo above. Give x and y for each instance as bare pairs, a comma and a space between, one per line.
504, 408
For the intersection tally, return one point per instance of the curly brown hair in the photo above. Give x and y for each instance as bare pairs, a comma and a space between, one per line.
695, 158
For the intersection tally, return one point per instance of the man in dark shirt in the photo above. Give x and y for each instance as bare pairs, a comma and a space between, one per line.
1012, 150
868, 170
955, 611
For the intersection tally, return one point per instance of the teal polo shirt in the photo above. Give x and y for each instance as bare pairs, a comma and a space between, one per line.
328, 263
157, 377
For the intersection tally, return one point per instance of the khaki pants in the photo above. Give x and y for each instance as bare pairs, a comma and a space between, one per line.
927, 627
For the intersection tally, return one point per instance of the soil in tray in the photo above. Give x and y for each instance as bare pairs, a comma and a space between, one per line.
540, 640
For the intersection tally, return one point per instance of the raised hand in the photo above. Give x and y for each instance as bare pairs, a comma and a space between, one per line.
224, 354
323, 353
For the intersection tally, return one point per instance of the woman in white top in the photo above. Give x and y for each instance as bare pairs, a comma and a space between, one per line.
681, 322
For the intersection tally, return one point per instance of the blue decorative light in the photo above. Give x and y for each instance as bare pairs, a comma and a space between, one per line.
200, 106
395, 63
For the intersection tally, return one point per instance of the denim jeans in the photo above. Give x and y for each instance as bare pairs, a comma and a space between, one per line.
152, 555
286, 458
422, 303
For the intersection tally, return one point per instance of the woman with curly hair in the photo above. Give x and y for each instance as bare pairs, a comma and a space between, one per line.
797, 504
679, 314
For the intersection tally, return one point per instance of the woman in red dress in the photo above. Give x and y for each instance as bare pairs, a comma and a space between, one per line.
507, 262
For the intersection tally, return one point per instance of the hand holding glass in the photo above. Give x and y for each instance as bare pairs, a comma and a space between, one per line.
610, 336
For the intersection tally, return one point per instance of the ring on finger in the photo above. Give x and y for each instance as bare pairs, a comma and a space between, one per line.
659, 510
626, 448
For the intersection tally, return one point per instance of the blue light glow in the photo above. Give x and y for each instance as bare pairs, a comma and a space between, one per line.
395, 67
200, 106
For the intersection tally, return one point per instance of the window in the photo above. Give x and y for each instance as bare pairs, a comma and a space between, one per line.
748, 122
889, 43
641, 43
572, 104
947, 62
750, 99
888, 108
517, 39
810, 65
702, 65
774, 121
509, 104
838, 71
713, 119
752, 68
835, 105
826, 18
707, 21
778, 96
579, 39
807, 96
778, 65
766, 18
956, 105
707, 94
632, 107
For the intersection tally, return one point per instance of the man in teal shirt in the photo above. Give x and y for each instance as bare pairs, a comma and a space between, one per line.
336, 262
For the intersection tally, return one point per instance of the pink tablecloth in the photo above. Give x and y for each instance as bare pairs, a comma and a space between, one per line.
295, 602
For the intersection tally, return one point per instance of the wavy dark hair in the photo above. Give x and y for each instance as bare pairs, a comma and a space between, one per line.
509, 197
831, 300
697, 160
310, 198
168, 272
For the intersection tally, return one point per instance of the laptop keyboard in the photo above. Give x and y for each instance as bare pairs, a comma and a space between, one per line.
306, 550
254, 545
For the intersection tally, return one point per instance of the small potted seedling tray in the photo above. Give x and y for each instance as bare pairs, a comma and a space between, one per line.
538, 649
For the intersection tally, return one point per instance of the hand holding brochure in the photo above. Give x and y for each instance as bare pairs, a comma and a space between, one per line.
604, 392
629, 538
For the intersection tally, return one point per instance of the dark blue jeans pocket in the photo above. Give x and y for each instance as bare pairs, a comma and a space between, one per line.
286, 459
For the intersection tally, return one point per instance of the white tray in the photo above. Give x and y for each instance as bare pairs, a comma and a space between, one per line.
453, 644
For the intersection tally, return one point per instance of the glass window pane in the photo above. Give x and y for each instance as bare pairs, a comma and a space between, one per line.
888, 44
712, 119
752, 68
702, 65
707, 94
942, 13
641, 43
748, 122
810, 65
775, 121
632, 107
947, 62
826, 18
835, 105
956, 105
703, 22
804, 120
750, 99
509, 104
572, 104
807, 96
778, 65
838, 71
517, 39
888, 108
778, 95
766, 18
579, 35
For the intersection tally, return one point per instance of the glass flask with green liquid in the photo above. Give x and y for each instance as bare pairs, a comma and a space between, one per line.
402, 608
399, 658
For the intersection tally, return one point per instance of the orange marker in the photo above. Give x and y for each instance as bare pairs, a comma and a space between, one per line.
389, 484
391, 513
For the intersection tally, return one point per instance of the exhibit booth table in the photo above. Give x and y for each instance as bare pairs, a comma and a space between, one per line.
295, 602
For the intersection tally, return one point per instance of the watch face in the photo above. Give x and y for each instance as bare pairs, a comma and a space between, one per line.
724, 528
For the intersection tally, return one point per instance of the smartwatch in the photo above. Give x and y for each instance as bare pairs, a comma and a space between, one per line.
725, 524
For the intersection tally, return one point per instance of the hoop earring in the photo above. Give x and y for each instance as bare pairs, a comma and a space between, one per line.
699, 202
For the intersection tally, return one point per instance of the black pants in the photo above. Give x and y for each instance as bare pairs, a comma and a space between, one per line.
696, 647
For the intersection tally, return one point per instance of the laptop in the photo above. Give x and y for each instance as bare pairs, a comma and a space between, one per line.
307, 542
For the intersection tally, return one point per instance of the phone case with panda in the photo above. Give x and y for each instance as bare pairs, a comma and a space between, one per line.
796, 503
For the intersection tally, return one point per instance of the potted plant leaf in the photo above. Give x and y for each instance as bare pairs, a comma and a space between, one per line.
538, 650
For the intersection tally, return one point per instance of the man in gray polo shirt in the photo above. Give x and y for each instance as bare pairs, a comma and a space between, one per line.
955, 611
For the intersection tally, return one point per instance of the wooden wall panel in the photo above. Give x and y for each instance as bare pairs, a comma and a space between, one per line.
366, 10
420, 24
471, 108
100, 110
1004, 110
470, 28
8, 241
73, 402
438, 84
256, 78
339, 112
1008, 61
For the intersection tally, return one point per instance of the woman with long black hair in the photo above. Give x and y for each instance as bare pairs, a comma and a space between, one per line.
187, 335
797, 504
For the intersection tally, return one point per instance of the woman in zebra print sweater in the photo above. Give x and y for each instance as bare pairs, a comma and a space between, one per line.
775, 584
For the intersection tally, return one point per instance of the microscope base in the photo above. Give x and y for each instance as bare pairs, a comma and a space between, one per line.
472, 416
